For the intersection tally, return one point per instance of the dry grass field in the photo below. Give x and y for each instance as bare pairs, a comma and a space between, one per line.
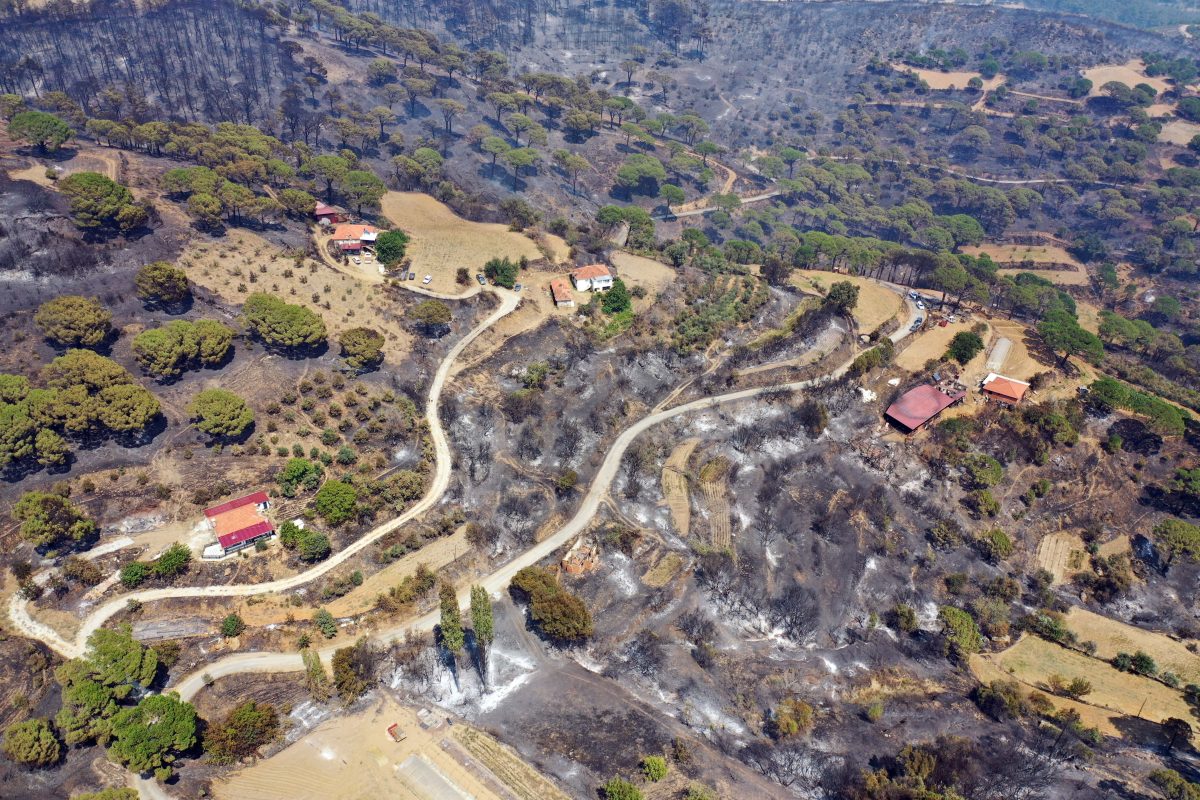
675, 485
950, 80
716, 502
1131, 73
651, 275
1179, 132
520, 778
442, 241
244, 263
1112, 637
1058, 552
1032, 661
931, 343
353, 758
1075, 274
661, 573
876, 304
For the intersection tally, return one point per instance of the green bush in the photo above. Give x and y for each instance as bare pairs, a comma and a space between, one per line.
325, 623
654, 768
336, 502
232, 626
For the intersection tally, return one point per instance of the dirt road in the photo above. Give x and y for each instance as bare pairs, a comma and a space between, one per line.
27, 626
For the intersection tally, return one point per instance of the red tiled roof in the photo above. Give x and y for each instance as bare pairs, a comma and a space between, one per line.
590, 271
919, 405
354, 232
560, 291
256, 498
1007, 388
245, 534
323, 209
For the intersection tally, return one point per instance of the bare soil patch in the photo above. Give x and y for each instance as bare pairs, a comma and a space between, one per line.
1179, 132
353, 758
950, 80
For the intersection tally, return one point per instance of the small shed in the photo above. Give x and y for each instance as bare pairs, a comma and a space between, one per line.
561, 293
328, 214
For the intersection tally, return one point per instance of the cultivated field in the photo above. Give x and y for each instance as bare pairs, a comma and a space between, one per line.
716, 502
1033, 660
675, 485
522, 780
876, 304
1061, 554
244, 263
353, 758
442, 241
1112, 637
662, 572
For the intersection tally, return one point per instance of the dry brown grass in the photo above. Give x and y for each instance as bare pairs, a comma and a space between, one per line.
442, 241
1033, 660
1131, 73
1055, 554
931, 343
1112, 637
651, 275
675, 485
950, 80
876, 304
716, 503
1179, 132
523, 780
662, 572
225, 267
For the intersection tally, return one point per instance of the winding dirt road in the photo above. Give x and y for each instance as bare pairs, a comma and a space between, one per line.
18, 610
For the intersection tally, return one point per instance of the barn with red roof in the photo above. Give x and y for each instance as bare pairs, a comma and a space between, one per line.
915, 408
238, 524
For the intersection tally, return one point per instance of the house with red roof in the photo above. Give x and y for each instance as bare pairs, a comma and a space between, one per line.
915, 408
238, 524
330, 215
1005, 390
352, 238
593, 277
561, 293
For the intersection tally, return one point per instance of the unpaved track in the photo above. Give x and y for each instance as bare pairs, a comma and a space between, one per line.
27, 626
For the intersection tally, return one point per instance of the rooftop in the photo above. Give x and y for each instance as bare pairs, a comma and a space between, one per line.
560, 291
354, 232
1008, 388
919, 405
591, 271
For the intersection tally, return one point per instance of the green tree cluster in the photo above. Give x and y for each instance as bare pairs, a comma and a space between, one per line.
74, 321
336, 502
557, 613
163, 284
299, 473
617, 299
51, 520
430, 316
281, 324
220, 413
246, 728
964, 346
309, 544
169, 350
99, 203
502, 271
32, 742
44, 131
362, 348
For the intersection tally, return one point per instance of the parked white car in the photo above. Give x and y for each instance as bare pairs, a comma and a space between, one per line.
427, 279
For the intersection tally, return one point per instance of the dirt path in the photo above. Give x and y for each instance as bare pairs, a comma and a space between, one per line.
19, 611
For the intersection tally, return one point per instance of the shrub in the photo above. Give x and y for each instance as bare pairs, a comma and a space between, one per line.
132, 575
995, 545
32, 742
557, 613
325, 623
241, 733
1000, 700
232, 626
964, 346
281, 324
904, 618
503, 271
654, 768
336, 502
221, 414
621, 789
960, 631
173, 561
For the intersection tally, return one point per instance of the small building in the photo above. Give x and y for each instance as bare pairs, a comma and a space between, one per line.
329, 215
918, 406
561, 293
593, 277
1005, 390
352, 238
238, 524
584, 556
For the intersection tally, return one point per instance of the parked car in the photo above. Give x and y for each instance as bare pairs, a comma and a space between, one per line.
918, 321
516, 287
427, 279
356, 260
412, 276
921, 306
482, 280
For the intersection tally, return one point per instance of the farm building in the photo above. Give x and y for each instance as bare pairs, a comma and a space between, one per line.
916, 407
329, 215
352, 238
238, 524
561, 293
1005, 390
593, 277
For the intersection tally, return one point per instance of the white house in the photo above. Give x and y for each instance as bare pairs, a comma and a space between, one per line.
593, 277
